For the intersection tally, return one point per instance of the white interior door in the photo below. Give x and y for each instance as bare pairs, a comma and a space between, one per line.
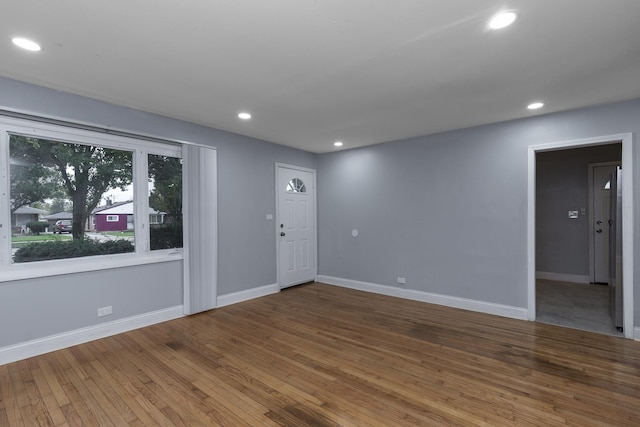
615, 251
601, 190
296, 225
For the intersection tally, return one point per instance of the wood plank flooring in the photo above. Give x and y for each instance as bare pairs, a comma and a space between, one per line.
318, 355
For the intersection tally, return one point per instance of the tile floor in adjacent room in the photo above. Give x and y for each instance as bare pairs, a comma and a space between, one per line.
574, 305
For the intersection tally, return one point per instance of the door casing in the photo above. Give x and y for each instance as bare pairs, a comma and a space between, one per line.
627, 219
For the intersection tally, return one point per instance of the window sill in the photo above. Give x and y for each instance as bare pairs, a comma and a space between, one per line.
38, 269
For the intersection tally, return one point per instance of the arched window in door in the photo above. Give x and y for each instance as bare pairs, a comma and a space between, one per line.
296, 186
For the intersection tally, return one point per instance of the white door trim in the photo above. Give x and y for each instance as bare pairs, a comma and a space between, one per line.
591, 166
627, 218
315, 218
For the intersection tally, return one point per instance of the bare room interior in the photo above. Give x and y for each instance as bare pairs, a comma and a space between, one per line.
319, 213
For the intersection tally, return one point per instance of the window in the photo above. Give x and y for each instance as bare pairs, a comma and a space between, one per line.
296, 186
98, 180
165, 202
42, 170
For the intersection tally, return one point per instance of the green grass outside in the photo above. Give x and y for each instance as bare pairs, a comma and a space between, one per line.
119, 233
19, 241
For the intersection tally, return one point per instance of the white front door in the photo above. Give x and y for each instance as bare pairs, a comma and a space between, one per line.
601, 188
296, 225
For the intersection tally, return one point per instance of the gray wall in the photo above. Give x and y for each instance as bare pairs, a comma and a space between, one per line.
246, 241
447, 211
562, 184
31, 309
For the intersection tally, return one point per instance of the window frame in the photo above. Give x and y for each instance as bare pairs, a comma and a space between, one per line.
139, 146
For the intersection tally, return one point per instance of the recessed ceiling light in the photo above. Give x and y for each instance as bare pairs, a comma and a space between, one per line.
26, 44
244, 116
502, 20
338, 144
535, 105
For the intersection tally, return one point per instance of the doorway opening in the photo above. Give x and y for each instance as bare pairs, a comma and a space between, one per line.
572, 236
563, 234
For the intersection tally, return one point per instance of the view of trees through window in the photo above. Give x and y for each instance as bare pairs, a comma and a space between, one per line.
62, 205
165, 202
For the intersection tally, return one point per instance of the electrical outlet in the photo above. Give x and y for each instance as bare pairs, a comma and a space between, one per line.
402, 281
105, 311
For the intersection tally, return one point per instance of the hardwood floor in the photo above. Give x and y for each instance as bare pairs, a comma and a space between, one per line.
320, 355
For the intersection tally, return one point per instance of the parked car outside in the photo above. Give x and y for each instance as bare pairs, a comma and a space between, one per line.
62, 226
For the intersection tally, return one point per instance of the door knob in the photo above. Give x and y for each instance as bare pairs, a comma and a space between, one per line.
282, 233
599, 230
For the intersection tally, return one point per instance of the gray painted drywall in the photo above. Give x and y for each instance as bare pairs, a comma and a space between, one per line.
32, 309
448, 211
562, 244
246, 240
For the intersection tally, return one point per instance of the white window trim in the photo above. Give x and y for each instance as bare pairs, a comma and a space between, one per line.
113, 218
36, 269
140, 148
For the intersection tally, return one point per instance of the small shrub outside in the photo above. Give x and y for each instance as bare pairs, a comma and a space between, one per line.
37, 227
42, 251
166, 237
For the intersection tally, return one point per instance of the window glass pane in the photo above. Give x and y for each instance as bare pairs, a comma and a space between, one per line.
165, 202
56, 193
296, 185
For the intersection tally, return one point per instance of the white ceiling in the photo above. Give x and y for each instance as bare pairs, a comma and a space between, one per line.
315, 71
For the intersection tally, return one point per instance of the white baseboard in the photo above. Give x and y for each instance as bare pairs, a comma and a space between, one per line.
236, 297
449, 301
636, 334
44, 345
561, 277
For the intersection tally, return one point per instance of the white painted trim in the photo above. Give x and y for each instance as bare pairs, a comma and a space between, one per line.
431, 298
627, 218
561, 277
91, 126
590, 167
21, 271
44, 345
628, 148
531, 234
277, 221
240, 296
98, 135
636, 334
5, 188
